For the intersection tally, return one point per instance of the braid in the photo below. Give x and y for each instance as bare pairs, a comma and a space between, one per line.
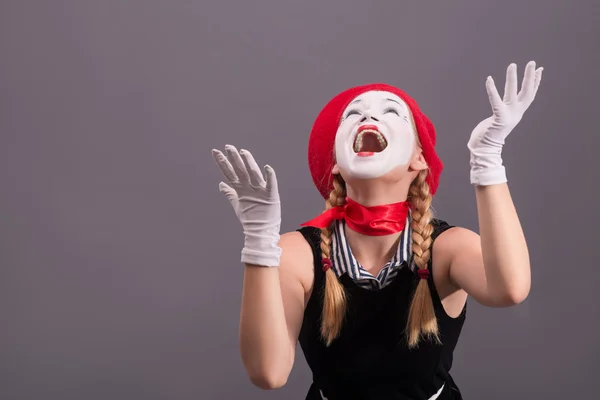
421, 317
334, 298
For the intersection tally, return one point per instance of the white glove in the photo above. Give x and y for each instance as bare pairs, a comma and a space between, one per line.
488, 137
256, 204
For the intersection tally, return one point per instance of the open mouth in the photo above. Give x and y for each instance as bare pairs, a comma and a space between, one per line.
369, 141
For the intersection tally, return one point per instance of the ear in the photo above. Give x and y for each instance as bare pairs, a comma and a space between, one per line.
335, 170
418, 163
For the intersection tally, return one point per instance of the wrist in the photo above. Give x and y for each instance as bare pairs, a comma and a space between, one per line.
486, 163
261, 249
488, 175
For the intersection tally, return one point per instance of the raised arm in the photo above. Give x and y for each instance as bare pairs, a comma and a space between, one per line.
494, 267
278, 271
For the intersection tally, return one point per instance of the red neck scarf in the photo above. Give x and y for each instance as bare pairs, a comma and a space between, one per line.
371, 221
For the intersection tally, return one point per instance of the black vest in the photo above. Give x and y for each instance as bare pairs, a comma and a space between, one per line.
370, 359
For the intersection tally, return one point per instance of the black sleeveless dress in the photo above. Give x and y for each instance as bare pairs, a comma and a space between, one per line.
370, 359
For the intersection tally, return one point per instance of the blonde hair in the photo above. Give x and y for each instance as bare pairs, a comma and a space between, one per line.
421, 321
334, 297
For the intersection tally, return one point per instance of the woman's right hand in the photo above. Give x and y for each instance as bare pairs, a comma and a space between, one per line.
256, 203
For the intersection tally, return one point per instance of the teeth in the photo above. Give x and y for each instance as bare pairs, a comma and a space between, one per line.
359, 139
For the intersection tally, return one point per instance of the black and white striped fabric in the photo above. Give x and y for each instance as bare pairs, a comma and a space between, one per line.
343, 261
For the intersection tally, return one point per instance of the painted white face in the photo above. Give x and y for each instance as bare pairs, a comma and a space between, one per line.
375, 135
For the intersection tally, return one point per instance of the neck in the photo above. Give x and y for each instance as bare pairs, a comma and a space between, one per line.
376, 193
372, 252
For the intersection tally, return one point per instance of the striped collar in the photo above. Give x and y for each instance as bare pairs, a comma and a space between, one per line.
343, 261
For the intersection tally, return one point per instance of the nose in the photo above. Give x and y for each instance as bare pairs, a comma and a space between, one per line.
367, 116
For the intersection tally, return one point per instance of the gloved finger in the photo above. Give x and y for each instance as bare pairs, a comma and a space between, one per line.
225, 166
271, 179
256, 177
238, 164
510, 86
527, 88
538, 80
230, 193
492, 92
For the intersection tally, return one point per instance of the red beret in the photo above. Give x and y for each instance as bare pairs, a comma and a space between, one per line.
322, 137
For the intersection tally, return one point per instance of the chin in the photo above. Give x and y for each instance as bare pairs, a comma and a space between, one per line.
362, 174
392, 177
374, 171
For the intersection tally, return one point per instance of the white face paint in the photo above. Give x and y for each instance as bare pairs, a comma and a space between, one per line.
375, 135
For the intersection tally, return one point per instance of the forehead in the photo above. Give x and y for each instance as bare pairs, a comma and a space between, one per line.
377, 96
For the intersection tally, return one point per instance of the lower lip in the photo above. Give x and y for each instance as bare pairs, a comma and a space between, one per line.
365, 153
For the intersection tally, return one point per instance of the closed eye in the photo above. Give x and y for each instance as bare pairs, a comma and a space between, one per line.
392, 110
352, 112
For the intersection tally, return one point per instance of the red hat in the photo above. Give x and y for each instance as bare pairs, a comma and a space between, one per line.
322, 137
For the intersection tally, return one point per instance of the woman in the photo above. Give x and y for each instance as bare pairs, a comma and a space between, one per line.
375, 288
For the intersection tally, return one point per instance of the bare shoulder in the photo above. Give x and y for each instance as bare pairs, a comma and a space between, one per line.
454, 241
297, 259
450, 249
455, 244
458, 256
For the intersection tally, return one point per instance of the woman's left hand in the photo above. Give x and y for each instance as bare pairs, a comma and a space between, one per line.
488, 137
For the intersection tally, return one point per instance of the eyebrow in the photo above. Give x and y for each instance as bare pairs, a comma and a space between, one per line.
395, 101
387, 99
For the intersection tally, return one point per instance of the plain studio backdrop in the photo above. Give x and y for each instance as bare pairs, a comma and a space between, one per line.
120, 274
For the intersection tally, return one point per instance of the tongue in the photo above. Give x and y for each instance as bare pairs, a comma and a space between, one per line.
370, 143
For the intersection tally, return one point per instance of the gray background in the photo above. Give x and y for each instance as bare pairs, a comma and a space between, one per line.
119, 259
